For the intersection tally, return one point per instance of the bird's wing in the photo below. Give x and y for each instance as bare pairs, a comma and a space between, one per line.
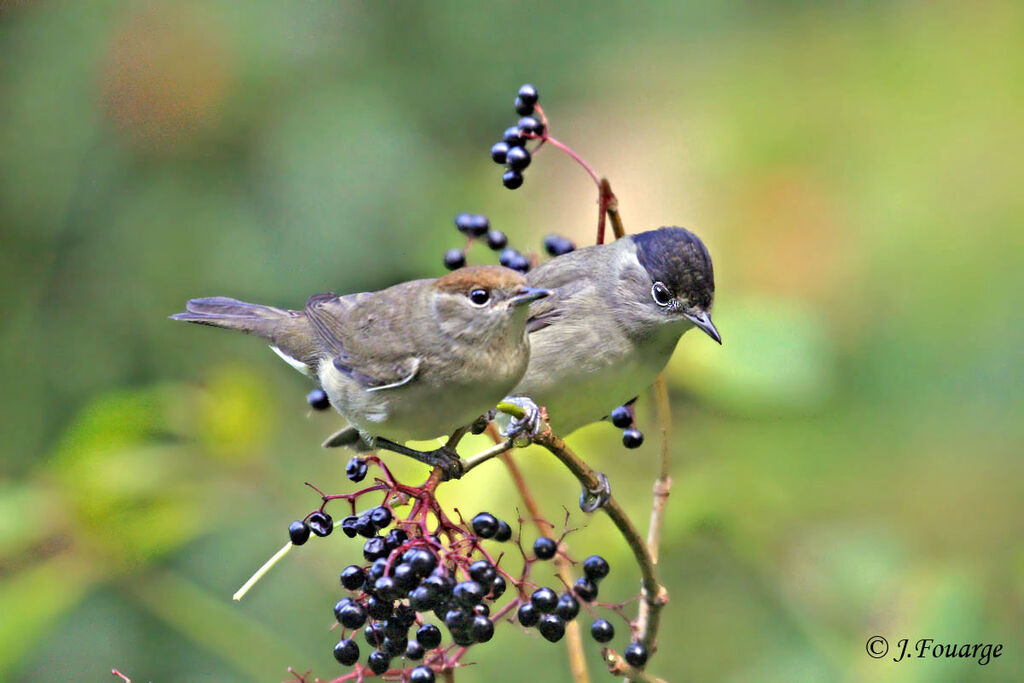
361, 341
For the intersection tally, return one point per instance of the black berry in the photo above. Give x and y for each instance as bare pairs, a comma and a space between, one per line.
396, 538
523, 108
356, 469
353, 577
482, 629
380, 517
512, 138
340, 606
512, 179
528, 614
496, 239
485, 525
602, 630
632, 438
517, 158
385, 587
482, 572
544, 599
551, 627
478, 225
545, 548
347, 652
498, 587
498, 151
504, 532
348, 526
421, 674
621, 417
468, 593
528, 93
422, 561
317, 399
365, 527
405, 578
378, 661
374, 635
423, 598
530, 125
568, 607
635, 654
351, 615
429, 636
482, 608
595, 567
321, 523
557, 245
375, 548
585, 589
520, 263
298, 532
379, 608
508, 256
458, 619
454, 259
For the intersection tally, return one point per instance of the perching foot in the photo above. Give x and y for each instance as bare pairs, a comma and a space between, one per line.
522, 430
444, 458
592, 499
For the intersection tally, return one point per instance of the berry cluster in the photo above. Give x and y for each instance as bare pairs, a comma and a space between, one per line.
474, 227
622, 417
417, 578
511, 150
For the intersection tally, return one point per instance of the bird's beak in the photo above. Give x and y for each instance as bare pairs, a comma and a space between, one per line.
528, 294
703, 321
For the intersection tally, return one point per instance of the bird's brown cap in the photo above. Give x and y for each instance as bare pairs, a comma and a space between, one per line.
465, 280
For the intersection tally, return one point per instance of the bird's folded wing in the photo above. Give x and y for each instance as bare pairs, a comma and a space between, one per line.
362, 341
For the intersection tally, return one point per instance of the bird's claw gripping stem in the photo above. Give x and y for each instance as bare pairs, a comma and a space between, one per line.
522, 430
592, 499
444, 458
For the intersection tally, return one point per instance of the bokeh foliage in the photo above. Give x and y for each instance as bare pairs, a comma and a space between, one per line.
847, 464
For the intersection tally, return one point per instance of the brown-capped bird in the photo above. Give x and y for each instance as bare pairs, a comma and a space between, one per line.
411, 362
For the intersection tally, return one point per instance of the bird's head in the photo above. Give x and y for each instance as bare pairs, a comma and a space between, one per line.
478, 301
676, 284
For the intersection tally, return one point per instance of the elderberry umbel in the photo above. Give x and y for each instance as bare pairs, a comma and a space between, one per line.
427, 581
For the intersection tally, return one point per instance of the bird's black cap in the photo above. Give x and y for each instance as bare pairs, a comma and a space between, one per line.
679, 260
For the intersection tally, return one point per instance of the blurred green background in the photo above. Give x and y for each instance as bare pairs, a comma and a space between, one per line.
847, 464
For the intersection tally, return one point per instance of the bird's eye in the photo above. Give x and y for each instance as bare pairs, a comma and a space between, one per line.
479, 297
661, 295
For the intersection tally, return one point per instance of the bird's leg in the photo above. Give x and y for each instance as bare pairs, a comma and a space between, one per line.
444, 458
592, 499
523, 429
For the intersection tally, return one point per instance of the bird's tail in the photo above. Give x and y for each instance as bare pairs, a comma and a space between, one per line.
288, 331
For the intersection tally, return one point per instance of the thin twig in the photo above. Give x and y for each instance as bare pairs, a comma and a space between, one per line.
662, 486
484, 456
610, 205
267, 566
